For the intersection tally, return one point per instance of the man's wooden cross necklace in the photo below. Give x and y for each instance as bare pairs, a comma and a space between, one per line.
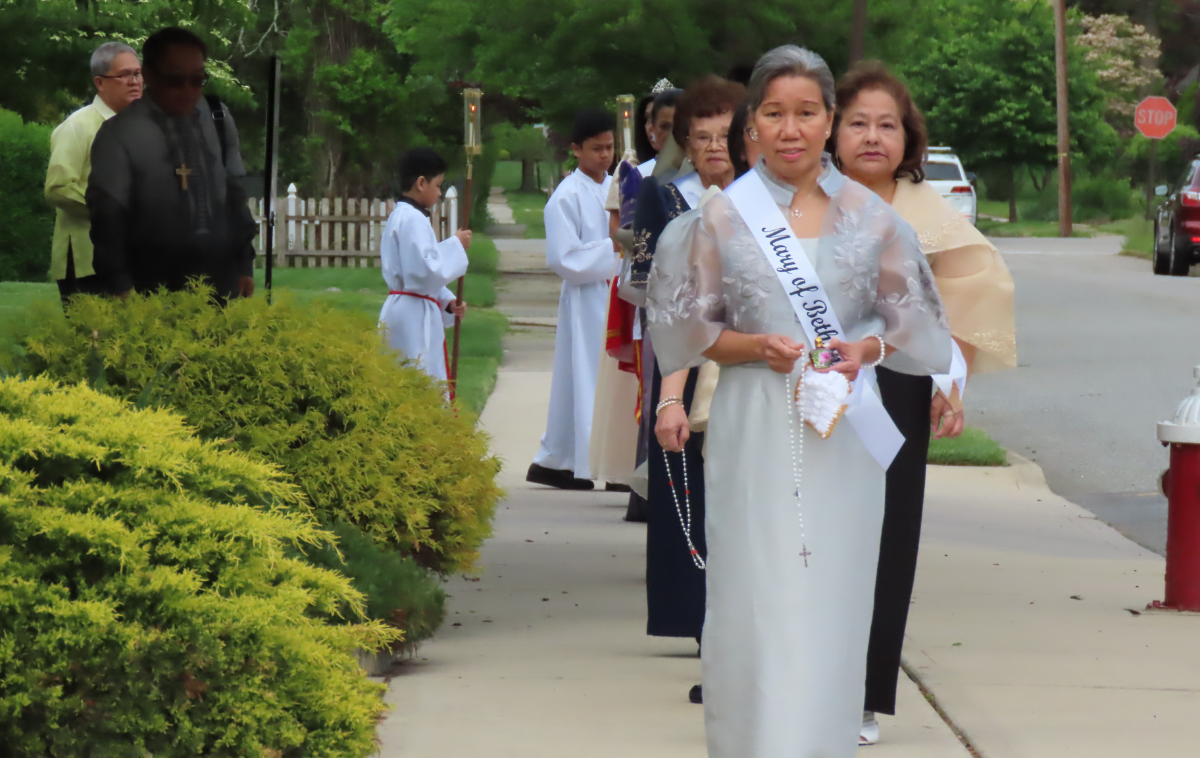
183, 172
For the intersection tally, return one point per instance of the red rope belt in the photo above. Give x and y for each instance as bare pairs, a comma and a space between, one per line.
445, 350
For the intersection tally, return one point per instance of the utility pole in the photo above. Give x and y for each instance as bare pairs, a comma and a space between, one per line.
1064, 123
858, 32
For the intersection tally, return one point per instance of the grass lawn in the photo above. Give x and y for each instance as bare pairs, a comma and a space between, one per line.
1138, 234
973, 448
363, 291
1028, 228
997, 208
527, 207
508, 175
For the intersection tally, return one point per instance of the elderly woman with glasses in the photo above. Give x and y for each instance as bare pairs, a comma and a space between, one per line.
674, 580
797, 439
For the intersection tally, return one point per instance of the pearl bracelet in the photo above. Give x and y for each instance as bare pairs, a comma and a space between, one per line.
667, 401
882, 350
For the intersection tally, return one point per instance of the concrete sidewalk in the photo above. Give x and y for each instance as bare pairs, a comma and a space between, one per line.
545, 654
1027, 624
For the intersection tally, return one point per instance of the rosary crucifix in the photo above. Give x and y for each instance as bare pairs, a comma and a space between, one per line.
183, 172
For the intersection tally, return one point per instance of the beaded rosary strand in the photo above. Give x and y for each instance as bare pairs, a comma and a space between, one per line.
684, 520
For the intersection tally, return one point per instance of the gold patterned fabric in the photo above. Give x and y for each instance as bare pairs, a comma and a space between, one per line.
976, 287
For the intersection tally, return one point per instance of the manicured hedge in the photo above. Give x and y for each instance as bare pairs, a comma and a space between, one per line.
150, 600
26, 221
313, 390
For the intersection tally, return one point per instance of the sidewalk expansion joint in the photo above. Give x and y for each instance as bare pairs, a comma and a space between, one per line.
937, 707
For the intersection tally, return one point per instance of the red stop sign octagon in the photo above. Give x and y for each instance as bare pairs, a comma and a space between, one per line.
1155, 117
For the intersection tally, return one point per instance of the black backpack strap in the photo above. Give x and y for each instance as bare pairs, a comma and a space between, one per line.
218, 117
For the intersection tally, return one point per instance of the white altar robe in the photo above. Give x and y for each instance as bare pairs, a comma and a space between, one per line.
579, 250
414, 261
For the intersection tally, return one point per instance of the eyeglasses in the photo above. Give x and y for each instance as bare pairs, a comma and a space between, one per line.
128, 77
702, 141
179, 81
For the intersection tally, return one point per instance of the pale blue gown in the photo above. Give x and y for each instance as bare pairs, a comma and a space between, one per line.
784, 648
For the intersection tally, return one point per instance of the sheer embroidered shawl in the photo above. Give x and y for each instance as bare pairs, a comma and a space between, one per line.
710, 275
976, 287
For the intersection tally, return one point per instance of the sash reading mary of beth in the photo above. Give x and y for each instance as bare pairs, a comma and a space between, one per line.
811, 304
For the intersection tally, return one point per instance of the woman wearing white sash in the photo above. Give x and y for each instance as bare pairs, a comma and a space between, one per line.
793, 520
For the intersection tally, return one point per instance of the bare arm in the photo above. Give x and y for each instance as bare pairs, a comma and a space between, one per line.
732, 348
673, 385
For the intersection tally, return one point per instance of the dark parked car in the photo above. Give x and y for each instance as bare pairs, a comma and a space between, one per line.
1177, 227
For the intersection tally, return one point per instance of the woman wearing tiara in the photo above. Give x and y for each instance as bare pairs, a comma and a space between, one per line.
619, 390
790, 252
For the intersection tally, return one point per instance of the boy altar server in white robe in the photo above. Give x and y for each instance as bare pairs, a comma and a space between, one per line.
417, 267
579, 250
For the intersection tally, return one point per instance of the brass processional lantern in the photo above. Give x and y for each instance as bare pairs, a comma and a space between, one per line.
624, 126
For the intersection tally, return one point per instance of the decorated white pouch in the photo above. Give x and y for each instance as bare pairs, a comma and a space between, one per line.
821, 399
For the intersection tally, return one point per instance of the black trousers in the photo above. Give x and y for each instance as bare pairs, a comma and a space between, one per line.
907, 399
82, 285
675, 588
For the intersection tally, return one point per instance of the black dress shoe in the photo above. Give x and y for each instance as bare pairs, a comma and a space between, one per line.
638, 507
696, 694
615, 487
563, 480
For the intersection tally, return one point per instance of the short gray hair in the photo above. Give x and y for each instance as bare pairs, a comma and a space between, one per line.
102, 59
790, 60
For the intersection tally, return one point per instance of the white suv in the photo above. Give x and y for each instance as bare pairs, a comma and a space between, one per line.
944, 172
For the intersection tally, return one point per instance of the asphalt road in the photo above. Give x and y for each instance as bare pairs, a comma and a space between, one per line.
1106, 350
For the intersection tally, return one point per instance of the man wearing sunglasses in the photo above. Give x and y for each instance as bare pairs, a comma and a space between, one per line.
164, 202
117, 76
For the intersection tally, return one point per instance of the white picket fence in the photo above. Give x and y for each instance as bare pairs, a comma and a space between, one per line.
336, 232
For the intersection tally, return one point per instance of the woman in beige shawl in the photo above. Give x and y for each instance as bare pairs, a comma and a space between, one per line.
879, 140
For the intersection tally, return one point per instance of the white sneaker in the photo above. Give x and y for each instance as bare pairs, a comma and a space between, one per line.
870, 729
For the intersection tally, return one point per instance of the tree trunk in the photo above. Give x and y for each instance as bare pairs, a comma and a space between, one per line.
858, 31
334, 44
1012, 194
528, 180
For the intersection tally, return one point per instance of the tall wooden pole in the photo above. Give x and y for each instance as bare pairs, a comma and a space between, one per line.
271, 170
1150, 184
472, 146
1064, 115
858, 32
466, 212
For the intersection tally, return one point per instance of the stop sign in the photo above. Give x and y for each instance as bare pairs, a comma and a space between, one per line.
1155, 117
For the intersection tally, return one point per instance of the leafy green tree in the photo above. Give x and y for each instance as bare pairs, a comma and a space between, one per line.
988, 90
526, 144
556, 56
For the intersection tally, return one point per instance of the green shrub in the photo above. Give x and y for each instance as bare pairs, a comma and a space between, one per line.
26, 221
148, 605
483, 172
398, 591
310, 388
1172, 154
1101, 196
